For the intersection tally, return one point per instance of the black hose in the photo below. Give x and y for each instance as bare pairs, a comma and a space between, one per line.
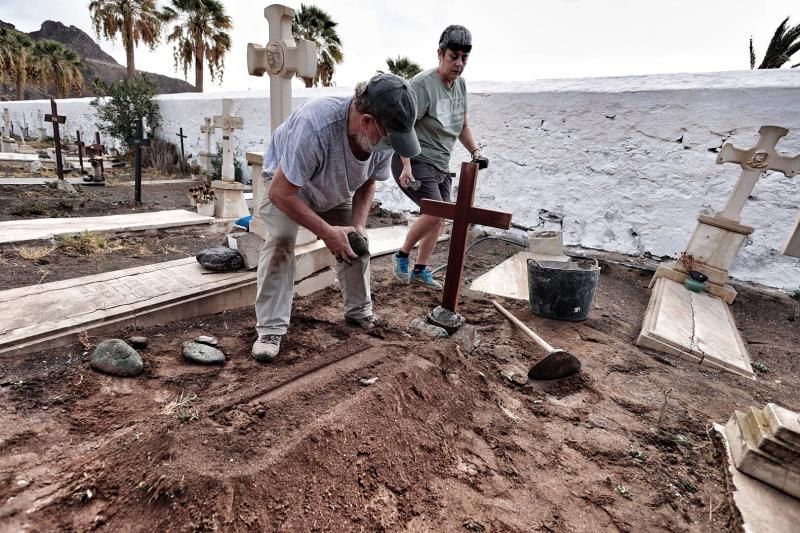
495, 237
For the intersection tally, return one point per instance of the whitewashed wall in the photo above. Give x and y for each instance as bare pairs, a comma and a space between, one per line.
628, 163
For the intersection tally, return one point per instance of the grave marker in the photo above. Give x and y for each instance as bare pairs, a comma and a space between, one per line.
283, 58
55, 119
463, 214
138, 140
230, 202
80, 145
207, 128
183, 156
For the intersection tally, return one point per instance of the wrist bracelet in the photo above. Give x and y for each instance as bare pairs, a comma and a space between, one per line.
472, 153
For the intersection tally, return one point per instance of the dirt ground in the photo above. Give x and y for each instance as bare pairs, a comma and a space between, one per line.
116, 198
441, 441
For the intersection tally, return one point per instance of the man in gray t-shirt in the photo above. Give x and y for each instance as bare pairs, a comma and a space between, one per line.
322, 164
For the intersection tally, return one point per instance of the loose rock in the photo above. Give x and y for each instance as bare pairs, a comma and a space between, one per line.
115, 357
208, 340
202, 353
358, 243
430, 329
467, 338
220, 259
138, 342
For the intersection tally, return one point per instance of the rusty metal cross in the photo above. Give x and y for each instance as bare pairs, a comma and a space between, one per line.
463, 214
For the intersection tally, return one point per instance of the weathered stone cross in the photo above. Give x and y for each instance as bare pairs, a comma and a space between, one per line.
56, 119
40, 126
6, 122
463, 214
207, 129
138, 141
754, 163
282, 59
230, 202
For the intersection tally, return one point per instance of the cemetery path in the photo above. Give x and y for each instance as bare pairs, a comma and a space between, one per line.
443, 440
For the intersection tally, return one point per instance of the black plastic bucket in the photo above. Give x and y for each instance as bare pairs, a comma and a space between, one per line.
562, 290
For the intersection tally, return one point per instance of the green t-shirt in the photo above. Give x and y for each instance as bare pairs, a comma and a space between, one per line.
440, 117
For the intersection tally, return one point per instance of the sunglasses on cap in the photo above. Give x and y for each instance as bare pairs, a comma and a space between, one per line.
456, 47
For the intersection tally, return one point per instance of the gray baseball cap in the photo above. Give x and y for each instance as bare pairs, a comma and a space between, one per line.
394, 103
456, 38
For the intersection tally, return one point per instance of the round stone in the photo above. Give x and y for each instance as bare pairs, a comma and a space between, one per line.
138, 342
116, 358
221, 259
358, 243
206, 339
202, 353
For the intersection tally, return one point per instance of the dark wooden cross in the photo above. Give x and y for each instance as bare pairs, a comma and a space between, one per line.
100, 150
183, 157
12, 130
463, 214
56, 119
138, 141
80, 145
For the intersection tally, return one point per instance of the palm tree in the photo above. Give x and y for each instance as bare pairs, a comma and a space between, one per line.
15, 49
785, 43
199, 36
403, 67
137, 21
54, 63
316, 25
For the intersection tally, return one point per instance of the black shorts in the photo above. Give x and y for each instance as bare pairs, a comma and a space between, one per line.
433, 183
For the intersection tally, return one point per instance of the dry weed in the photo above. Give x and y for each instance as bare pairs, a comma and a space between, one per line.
87, 243
181, 402
34, 254
83, 338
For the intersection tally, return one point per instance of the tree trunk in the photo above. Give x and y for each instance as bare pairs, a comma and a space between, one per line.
21, 81
199, 56
57, 84
127, 41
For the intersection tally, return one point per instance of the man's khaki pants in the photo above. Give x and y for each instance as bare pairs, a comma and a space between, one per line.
276, 270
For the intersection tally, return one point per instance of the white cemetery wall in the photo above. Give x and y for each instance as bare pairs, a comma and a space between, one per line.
628, 163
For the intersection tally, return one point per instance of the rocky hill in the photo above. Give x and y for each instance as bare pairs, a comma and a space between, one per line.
98, 65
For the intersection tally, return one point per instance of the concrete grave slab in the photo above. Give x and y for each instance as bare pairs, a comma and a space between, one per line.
749, 459
697, 327
764, 509
792, 246
509, 279
53, 314
37, 181
47, 228
783, 424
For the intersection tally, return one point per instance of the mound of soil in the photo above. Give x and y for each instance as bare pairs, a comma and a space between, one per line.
443, 440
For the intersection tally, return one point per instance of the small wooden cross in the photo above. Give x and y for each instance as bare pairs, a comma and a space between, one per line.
463, 214
183, 157
228, 124
80, 144
56, 119
138, 141
754, 163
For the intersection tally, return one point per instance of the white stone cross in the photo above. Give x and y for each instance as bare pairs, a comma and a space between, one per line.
207, 129
282, 59
754, 163
6, 123
227, 123
40, 125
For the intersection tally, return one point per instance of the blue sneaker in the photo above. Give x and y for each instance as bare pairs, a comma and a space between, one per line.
400, 267
425, 278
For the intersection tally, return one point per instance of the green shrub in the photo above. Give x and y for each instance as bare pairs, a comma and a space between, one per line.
122, 104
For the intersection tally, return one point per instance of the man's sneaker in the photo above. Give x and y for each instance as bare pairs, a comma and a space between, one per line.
267, 347
400, 267
366, 323
425, 277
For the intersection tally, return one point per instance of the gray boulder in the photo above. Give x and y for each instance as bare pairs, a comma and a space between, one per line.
202, 353
221, 259
115, 357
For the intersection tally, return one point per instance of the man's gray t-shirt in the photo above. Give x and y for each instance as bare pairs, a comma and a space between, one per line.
312, 149
440, 116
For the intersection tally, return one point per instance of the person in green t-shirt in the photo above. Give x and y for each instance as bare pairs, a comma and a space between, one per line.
441, 119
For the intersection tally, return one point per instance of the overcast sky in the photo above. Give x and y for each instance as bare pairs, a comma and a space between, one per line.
513, 39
